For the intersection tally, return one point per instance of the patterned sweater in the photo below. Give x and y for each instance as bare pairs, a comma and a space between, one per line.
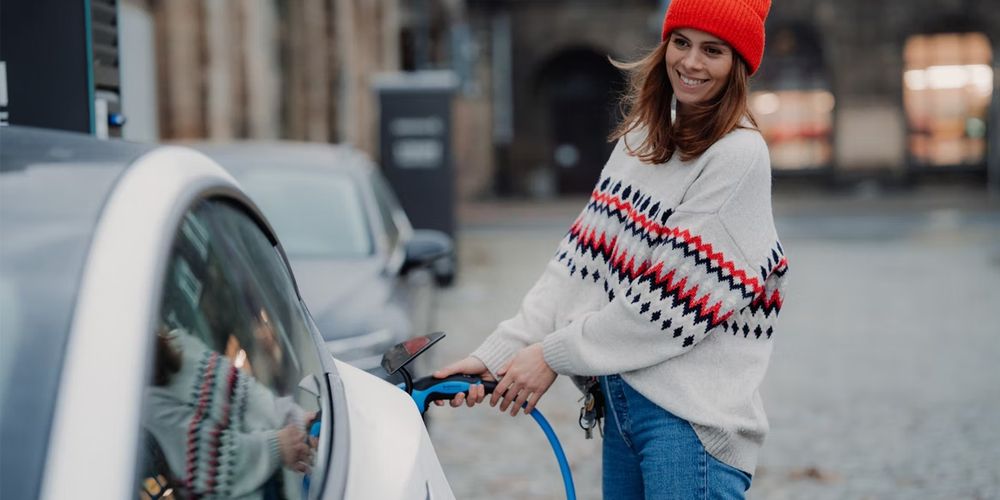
217, 426
673, 277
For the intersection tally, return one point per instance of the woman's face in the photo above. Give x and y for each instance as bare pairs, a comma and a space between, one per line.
698, 65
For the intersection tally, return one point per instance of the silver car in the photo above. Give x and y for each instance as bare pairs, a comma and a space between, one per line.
155, 345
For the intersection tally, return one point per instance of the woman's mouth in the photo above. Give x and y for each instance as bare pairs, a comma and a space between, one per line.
690, 82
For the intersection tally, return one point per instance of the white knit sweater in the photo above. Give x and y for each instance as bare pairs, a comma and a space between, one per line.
672, 276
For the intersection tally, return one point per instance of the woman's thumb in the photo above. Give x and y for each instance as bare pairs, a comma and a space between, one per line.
449, 370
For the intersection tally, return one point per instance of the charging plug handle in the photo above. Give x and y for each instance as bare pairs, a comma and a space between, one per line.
429, 389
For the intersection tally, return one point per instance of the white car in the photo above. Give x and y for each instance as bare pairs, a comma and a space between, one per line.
155, 345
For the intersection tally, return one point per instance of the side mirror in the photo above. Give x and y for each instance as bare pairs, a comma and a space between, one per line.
425, 247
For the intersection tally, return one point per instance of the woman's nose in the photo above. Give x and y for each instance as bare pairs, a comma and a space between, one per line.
692, 60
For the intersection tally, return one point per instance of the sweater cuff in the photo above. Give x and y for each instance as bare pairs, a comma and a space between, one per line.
555, 353
495, 352
274, 449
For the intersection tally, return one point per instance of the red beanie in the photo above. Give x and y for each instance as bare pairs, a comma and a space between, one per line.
739, 22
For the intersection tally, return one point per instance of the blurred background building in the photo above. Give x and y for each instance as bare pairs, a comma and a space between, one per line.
899, 90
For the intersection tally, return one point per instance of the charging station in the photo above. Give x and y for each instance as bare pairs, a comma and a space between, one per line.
59, 65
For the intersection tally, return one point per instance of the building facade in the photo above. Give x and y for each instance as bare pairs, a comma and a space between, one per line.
849, 89
900, 89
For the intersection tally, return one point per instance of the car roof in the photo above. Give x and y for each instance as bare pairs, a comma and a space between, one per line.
29, 147
53, 187
242, 156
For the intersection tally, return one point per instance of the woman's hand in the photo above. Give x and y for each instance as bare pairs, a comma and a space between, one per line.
295, 453
468, 366
525, 379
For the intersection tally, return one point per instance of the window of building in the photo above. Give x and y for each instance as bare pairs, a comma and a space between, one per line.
947, 86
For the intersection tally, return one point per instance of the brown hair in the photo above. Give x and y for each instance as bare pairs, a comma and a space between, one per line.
167, 360
647, 105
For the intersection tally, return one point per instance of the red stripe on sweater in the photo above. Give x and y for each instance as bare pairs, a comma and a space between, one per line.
689, 295
203, 394
684, 236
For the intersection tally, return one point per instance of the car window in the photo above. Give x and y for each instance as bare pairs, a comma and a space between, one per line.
235, 368
315, 213
387, 206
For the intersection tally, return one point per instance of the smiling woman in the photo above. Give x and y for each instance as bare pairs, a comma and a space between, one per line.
692, 89
663, 295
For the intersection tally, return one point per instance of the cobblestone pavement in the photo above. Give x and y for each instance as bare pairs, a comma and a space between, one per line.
884, 382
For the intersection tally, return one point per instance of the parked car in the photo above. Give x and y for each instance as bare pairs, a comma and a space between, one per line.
365, 273
155, 343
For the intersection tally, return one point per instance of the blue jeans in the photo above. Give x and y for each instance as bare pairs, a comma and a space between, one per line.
649, 453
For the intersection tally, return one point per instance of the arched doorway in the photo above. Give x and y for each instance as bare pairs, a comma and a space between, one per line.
579, 89
793, 102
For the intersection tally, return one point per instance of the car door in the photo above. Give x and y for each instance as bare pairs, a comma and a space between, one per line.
237, 375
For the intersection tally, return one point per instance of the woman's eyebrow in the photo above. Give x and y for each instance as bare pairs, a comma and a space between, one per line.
719, 43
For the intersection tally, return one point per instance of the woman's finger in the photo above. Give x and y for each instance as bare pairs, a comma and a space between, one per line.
509, 396
470, 400
519, 402
532, 401
457, 400
500, 389
503, 371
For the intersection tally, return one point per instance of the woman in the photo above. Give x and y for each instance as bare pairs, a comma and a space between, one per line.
668, 284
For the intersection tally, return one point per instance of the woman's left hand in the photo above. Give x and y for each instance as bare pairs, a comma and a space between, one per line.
525, 378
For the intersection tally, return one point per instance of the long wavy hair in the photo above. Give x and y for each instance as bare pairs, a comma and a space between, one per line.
646, 106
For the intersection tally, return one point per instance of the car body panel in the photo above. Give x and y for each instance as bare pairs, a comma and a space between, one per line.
45, 242
397, 445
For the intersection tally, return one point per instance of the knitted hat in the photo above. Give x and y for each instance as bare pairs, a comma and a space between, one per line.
739, 22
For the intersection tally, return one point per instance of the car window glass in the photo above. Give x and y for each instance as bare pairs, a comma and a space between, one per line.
386, 207
225, 410
315, 213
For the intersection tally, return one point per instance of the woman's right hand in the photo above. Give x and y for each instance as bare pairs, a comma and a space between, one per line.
467, 366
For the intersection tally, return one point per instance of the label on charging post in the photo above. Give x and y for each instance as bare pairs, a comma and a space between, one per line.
417, 141
417, 153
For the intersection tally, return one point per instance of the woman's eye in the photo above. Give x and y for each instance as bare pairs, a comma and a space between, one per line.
680, 43
712, 51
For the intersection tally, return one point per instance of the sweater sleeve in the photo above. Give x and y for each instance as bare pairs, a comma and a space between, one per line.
701, 272
534, 319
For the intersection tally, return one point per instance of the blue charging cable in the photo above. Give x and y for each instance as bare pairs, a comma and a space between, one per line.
567, 476
430, 389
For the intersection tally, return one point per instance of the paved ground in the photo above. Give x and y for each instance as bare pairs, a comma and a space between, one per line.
885, 381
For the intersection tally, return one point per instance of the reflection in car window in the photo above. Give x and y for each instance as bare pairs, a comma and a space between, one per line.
225, 416
315, 213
